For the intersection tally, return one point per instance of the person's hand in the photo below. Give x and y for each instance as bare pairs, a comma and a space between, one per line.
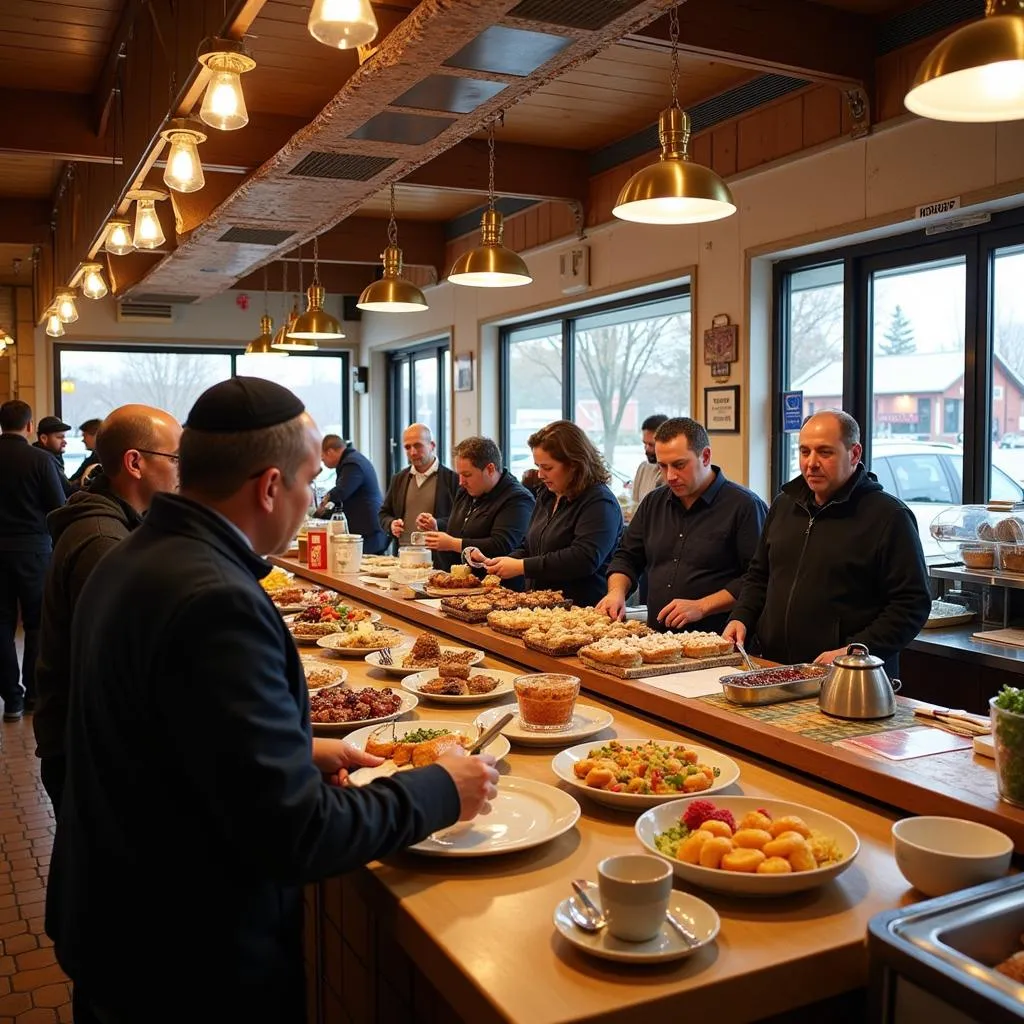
87, 475
680, 612
425, 521
336, 758
397, 527
475, 778
614, 606
441, 542
827, 657
735, 632
505, 568
475, 557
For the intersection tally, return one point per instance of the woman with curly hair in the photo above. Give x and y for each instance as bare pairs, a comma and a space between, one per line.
576, 523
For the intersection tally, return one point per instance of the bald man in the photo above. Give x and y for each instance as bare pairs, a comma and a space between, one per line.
425, 487
137, 448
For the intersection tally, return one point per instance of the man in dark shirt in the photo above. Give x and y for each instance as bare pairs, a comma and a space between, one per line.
50, 437
88, 430
30, 489
693, 537
356, 492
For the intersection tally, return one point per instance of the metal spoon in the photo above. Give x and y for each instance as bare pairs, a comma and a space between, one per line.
583, 910
749, 665
484, 738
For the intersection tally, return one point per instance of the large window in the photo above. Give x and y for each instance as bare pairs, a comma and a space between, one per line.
927, 352
606, 368
419, 382
92, 381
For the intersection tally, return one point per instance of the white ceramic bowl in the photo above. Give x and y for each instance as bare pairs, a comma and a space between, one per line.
940, 855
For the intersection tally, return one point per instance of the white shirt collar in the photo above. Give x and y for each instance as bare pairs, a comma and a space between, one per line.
422, 478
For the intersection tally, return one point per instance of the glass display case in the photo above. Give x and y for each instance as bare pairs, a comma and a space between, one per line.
983, 538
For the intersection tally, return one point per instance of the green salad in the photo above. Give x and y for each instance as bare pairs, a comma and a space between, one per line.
424, 735
1009, 740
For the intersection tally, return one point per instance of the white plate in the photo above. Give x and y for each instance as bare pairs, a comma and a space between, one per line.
503, 689
422, 588
524, 814
330, 644
334, 667
409, 701
660, 818
668, 944
563, 767
499, 746
398, 653
586, 721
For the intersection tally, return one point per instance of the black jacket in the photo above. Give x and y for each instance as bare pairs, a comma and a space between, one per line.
569, 549
495, 523
30, 489
357, 494
58, 460
394, 501
822, 578
83, 531
193, 813
92, 459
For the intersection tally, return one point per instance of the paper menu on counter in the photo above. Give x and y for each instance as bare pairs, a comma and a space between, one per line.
904, 744
701, 683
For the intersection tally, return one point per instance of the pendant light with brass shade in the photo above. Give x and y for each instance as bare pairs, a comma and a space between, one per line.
675, 190
490, 264
392, 293
343, 24
260, 345
977, 72
316, 324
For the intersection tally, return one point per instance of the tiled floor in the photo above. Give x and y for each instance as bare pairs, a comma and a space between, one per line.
33, 989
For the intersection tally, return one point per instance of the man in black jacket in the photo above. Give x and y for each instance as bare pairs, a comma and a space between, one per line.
50, 437
138, 449
491, 512
425, 486
839, 560
197, 801
356, 492
30, 488
81, 476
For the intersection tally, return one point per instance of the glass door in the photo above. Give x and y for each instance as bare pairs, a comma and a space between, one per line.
419, 381
1006, 334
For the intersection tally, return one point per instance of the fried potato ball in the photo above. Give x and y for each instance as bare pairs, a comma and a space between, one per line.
716, 828
789, 823
688, 850
774, 866
752, 838
801, 859
784, 844
755, 819
714, 851
747, 861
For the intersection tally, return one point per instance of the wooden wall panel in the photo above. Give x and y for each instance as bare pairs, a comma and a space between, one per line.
724, 147
823, 117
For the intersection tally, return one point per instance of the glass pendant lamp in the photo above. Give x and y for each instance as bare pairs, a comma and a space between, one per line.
184, 170
119, 238
149, 233
675, 190
66, 308
343, 24
54, 324
392, 293
224, 103
93, 285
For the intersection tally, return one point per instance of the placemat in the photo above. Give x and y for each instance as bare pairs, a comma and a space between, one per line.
668, 668
805, 719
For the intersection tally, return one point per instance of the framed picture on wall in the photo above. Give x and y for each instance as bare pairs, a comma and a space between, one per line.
463, 378
722, 410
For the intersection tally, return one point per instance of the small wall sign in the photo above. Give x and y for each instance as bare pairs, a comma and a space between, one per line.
722, 410
792, 410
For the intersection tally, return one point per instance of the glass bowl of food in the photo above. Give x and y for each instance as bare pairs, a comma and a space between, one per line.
546, 700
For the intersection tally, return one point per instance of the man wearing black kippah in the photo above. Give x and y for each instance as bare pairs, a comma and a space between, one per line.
197, 801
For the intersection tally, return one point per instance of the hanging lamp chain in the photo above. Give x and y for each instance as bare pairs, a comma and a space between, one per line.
284, 290
490, 166
300, 268
392, 226
316, 261
673, 34
266, 291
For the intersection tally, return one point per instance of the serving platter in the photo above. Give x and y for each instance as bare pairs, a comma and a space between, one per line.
314, 664
524, 814
413, 682
398, 653
586, 721
330, 643
563, 763
659, 819
665, 668
422, 588
408, 702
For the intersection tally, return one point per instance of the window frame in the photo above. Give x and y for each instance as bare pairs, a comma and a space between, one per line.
59, 348
397, 419
568, 319
978, 244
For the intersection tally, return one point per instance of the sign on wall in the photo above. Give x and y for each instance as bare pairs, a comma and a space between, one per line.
792, 410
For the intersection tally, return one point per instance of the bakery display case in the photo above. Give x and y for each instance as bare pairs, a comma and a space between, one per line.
983, 538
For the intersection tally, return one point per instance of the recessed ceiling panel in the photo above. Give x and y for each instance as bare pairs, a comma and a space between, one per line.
255, 236
405, 129
447, 92
508, 51
346, 166
585, 14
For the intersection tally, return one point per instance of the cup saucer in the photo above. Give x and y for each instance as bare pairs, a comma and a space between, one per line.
695, 914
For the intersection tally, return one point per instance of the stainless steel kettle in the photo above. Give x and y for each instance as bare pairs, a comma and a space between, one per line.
857, 686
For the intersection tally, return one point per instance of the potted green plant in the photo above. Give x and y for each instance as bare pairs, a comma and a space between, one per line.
1007, 709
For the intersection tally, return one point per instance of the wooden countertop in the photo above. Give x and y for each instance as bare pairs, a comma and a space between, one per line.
957, 784
482, 929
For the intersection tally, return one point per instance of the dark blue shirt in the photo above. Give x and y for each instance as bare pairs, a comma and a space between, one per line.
357, 494
692, 552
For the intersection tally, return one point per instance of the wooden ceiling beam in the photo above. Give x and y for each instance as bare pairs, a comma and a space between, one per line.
787, 37
521, 171
126, 271
53, 124
107, 85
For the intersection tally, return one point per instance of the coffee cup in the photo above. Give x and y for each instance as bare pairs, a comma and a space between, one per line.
635, 890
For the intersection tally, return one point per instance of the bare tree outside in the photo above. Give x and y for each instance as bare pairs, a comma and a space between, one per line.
815, 329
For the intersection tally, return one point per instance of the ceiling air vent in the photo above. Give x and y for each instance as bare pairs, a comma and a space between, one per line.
144, 313
256, 236
584, 14
349, 166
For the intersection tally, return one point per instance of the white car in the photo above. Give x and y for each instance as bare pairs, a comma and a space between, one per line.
929, 477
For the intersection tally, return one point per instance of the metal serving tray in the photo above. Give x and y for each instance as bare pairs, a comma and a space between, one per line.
742, 688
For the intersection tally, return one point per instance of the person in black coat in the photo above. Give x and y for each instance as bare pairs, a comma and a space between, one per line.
839, 560
89, 429
356, 492
491, 512
50, 438
576, 523
198, 803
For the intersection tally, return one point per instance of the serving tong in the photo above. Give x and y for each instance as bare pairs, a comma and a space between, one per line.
956, 721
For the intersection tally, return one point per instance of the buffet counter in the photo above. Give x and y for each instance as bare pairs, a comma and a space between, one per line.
433, 939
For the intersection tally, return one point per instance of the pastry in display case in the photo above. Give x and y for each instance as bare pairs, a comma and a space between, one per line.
983, 537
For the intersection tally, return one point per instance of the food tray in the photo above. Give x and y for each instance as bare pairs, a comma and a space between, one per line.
517, 633
734, 689
462, 615
566, 651
665, 668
